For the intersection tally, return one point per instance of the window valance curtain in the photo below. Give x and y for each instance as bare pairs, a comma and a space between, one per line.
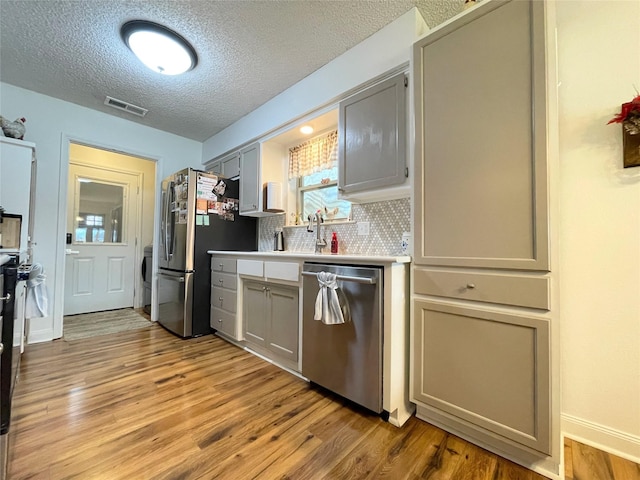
314, 155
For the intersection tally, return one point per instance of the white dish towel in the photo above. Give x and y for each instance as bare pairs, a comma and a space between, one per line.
37, 304
327, 304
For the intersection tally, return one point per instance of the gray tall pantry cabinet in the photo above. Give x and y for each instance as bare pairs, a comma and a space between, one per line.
481, 308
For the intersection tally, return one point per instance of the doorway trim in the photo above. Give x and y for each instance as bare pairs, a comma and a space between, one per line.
60, 243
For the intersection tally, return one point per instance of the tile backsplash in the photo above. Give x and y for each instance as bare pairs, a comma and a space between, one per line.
388, 220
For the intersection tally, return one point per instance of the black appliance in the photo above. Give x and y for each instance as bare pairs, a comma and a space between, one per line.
9, 360
199, 213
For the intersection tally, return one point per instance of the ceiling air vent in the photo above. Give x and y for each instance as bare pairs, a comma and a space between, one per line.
125, 106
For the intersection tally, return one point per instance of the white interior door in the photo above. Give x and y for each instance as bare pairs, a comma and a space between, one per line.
100, 260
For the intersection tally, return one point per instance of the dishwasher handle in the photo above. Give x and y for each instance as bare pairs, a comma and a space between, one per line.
347, 278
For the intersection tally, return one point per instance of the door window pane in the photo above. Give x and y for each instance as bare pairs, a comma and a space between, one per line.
99, 212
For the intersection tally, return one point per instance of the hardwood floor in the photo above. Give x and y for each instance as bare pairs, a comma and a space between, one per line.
145, 404
586, 463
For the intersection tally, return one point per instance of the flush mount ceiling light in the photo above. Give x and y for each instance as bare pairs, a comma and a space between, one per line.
307, 129
160, 49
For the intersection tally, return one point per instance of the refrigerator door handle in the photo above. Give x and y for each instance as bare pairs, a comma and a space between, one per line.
172, 219
164, 225
167, 223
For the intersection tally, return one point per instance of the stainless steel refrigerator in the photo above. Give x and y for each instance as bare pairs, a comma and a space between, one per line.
199, 213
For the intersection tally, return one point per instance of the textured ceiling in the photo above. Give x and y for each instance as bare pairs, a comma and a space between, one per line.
249, 51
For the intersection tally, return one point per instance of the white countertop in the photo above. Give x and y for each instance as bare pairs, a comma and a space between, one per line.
323, 258
4, 259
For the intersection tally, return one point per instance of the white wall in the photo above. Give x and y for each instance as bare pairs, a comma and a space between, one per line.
385, 50
50, 123
599, 66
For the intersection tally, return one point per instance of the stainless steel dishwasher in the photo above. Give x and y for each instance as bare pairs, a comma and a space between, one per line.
345, 358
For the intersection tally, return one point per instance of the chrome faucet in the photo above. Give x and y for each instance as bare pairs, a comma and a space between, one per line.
317, 218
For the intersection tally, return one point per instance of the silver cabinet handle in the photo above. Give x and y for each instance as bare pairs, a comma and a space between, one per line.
471, 286
7, 298
219, 320
220, 298
220, 280
1, 348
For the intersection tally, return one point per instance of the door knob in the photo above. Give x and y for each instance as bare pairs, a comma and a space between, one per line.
68, 251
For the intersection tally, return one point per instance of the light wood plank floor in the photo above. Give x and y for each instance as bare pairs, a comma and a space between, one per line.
145, 404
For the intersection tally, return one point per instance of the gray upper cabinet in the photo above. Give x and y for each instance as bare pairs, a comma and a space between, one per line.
372, 137
481, 169
250, 183
230, 165
216, 167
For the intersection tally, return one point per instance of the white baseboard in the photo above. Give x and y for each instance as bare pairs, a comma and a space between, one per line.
607, 439
39, 336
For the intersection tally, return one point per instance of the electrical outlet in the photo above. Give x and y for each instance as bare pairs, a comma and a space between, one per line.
363, 228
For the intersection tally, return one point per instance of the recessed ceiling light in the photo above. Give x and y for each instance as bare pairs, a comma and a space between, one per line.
160, 49
307, 129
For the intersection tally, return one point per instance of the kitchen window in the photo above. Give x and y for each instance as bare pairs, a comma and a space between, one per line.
314, 165
319, 191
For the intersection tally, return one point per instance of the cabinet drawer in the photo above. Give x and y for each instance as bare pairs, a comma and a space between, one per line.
224, 299
223, 321
282, 271
223, 264
503, 288
255, 268
224, 280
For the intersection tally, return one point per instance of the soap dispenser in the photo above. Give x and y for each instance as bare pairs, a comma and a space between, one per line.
334, 243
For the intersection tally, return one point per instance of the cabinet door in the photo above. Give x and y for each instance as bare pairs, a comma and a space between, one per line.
372, 137
231, 165
216, 167
250, 181
15, 183
254, 313
481, 170
284, 315
490, 369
